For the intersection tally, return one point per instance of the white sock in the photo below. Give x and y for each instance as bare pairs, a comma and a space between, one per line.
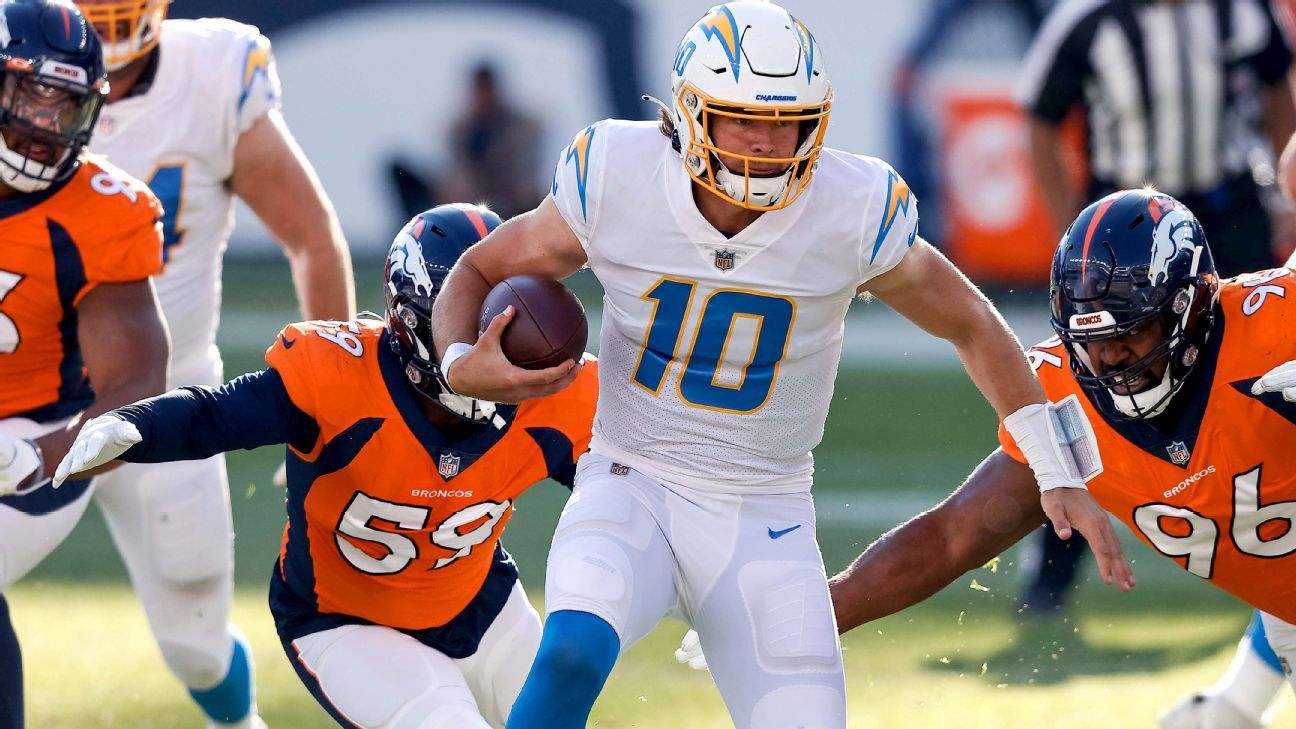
1249, 684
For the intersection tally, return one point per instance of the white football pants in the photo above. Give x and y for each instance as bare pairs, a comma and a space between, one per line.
745, 571
171, 523
380, 678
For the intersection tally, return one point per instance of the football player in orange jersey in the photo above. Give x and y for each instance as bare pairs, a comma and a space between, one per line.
77, 306
1189, 384
392, 596
194, 109
1180, 376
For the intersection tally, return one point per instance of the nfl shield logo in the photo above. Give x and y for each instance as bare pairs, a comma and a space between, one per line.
620, 470
1178, 453
448, 465
724, 260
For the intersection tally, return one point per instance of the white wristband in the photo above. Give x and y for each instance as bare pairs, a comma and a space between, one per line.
452, 353
1058, 443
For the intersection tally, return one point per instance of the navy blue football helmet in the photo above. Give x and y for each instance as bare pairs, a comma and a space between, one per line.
417, 265
52, 86
1129, 258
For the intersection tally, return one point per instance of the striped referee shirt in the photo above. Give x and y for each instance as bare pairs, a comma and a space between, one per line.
1172, 87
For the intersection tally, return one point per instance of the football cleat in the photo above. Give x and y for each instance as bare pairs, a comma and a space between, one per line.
1204, 710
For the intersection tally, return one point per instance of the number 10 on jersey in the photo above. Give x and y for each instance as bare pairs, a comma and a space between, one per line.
714, 337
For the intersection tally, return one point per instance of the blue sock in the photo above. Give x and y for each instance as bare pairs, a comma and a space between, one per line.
1260, 643
11, 676
230, 700
577, 652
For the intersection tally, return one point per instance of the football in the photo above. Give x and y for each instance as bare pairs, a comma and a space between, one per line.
549, 327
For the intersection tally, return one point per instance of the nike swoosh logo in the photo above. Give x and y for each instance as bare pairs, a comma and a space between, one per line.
287, 343
776, 534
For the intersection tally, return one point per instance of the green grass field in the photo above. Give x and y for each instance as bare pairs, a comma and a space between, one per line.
897, 439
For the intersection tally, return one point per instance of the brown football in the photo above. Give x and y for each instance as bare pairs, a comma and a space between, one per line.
549, 327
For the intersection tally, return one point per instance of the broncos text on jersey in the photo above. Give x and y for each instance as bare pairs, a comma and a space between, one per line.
391, 519
1218, 494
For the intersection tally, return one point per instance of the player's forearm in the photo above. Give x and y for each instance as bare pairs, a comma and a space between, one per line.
456, 309
323, 277
995, 362
192, 423
991, 511
895, 572
147, 383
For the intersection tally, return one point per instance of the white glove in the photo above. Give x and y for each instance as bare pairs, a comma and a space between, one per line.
1058, 442
100, 441
280, 477
1279, 379
19, 458
690, 652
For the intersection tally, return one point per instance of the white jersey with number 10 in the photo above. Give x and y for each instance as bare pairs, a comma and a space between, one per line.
718, 355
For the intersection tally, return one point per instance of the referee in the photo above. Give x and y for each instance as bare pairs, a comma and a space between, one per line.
1186, 95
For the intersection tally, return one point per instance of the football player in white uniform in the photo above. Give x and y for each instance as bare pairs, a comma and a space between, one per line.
193, 110
727, 278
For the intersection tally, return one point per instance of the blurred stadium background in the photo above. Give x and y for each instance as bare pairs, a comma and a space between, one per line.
369, 81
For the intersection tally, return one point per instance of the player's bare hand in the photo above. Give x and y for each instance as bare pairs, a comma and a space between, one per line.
1279, 379
485, 373
101, 440
1075, 508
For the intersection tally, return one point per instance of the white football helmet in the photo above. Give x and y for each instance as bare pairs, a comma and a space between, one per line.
751, 60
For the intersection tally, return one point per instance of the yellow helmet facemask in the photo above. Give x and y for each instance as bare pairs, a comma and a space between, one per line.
129, 29
739, 186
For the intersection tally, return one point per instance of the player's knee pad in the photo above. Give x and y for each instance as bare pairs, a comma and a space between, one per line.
603, 535
802, 706
202, 664
436, 713
378, 677
593, 574
792, 617
191, 540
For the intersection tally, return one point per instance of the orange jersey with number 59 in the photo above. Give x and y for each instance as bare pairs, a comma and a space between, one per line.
98, 226
1218, 494
391, 518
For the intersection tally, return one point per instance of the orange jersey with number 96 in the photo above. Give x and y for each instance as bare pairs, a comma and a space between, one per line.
1218, 493
56, 245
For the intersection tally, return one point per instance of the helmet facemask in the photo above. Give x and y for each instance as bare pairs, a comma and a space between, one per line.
753, 61
417, 264
1133, 260
1147, 402
411, 330
45, 120
695, 112
129, 29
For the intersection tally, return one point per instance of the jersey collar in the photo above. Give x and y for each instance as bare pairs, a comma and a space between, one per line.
1184, 424
468, 444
